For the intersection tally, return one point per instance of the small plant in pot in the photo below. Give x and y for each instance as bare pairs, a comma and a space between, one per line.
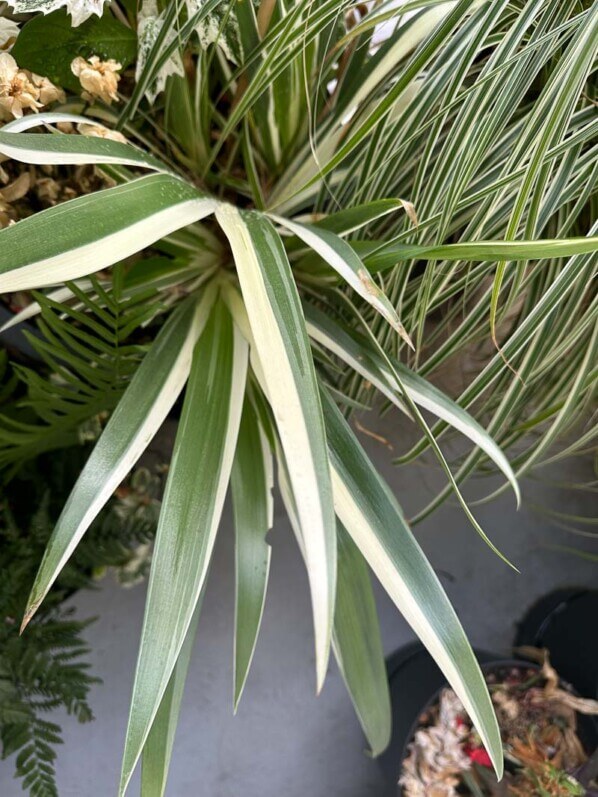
545, 730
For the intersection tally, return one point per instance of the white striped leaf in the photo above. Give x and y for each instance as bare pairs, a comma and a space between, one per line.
368, 510
343, 222
191, 509
56, 149
345, 261
387, 256
278, 330
91, 232
145, 404
251, 483
356, 638
364, 359
358, 646
157, 750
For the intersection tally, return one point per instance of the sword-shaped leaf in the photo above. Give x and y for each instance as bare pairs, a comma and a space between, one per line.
387, 256
356, 638
358, 646
278, 329
91, 232
191, 510
251, 483
157, 750
368, 510
364, 359
62, 149
345, 261
145, 404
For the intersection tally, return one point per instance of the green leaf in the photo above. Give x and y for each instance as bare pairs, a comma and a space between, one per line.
358, 646
157, 750
47, 45
343, 259
356, 638
368, 510
363, 358
389, 255
191, 510
251, 483
91, 232
140, 413
348, 220
63, 149
278, 329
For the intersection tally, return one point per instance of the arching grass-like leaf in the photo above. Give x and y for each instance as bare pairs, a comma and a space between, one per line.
251, 482
278, 329
371, 515
140, 413
190, 515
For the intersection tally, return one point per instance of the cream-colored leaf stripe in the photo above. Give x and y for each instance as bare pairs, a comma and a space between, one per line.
367, 509
191, 510
278, 330
344, 260
58, 148
332, 337
92, 232
138, 416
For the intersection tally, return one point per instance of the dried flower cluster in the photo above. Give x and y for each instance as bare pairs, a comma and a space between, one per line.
24, 189
538, 722
21, 90
99, 79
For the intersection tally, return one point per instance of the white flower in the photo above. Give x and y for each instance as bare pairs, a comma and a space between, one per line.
99, 79
9, 31
99, 131
48, 92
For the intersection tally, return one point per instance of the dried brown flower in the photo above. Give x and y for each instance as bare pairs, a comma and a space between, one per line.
17, 91
20, 90
99, 131
99, 79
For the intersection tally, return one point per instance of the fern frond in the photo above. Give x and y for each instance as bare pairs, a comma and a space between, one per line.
90, 351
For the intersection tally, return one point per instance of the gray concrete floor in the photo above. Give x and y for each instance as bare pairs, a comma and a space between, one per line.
285, 742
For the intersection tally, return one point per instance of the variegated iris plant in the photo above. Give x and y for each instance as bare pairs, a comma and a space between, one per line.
261, 225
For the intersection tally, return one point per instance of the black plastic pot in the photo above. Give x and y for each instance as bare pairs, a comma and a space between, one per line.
565, 622
414, 681
415, 685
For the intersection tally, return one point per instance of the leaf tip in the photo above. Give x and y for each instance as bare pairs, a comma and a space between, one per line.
29, 612
321, 669
236, 699
403, 334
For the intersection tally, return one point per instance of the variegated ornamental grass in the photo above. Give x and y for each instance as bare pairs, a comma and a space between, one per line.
292, 202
